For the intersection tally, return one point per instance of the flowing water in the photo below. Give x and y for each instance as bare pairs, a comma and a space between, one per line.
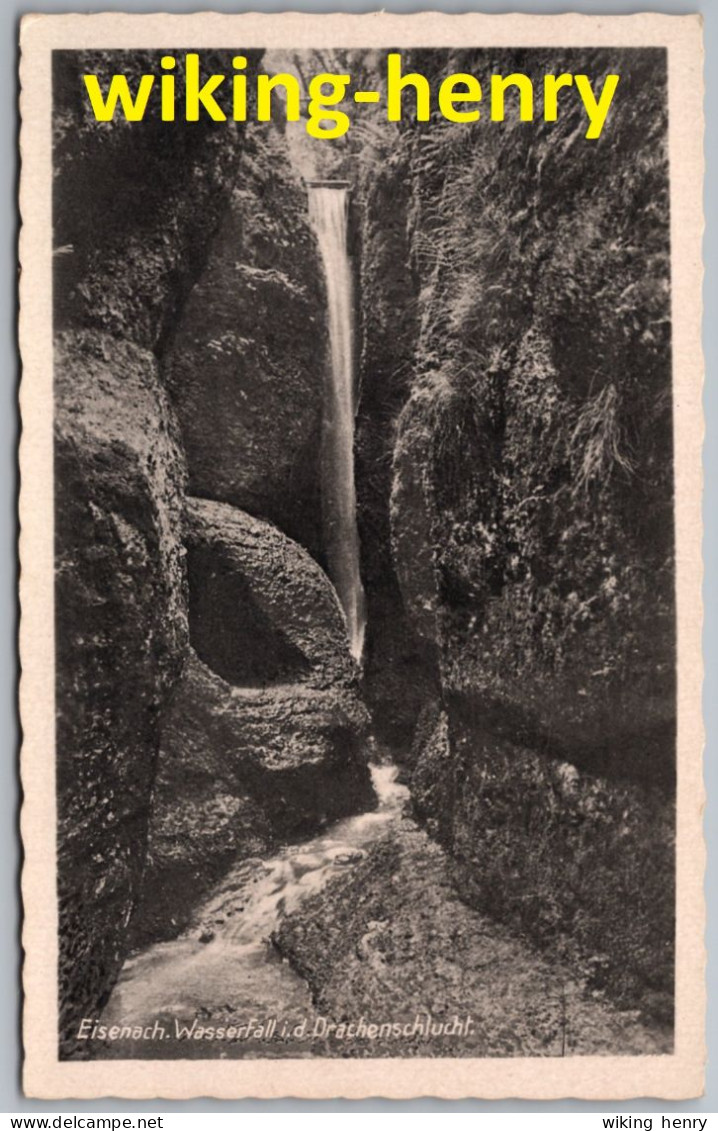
225, 966
328, 212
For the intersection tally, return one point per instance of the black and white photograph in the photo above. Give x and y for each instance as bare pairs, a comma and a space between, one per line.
364, 595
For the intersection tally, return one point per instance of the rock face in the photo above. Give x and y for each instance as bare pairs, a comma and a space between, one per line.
399, 654
129, 246
571, 858
240, 769
414, 525
266, 737
187, 246
126, 256
121, 635
296, 748
531, 507
390, 937
247, 365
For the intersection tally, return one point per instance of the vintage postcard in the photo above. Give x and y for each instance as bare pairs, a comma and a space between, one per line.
361, 556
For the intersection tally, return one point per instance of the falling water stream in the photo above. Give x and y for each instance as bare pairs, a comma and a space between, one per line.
328, 212
224, 966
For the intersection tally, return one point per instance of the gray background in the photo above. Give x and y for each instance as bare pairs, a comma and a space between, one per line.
11, 1098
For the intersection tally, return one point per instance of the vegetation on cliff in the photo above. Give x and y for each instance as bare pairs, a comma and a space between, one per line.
529, 437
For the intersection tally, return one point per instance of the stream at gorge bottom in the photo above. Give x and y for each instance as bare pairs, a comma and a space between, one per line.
355, 943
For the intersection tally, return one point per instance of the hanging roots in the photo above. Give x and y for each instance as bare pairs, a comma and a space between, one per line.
596, 441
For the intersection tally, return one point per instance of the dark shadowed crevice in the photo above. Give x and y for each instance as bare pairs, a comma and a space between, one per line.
230, 632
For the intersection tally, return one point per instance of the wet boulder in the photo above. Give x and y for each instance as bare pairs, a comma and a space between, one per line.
261, 610
266, 737
121, 637
239, 769
299, 751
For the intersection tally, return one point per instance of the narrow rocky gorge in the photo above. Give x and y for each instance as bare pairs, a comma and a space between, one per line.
405, 748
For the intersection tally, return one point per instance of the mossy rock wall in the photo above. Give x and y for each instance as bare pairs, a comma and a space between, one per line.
530, 500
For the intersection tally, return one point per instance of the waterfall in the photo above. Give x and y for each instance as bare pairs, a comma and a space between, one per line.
328, 212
